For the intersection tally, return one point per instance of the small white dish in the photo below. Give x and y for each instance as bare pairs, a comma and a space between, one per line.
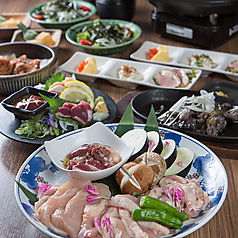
108, 69
180, 57
60, 147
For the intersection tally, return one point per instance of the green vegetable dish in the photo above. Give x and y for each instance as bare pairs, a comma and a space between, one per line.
61, 11
101, 34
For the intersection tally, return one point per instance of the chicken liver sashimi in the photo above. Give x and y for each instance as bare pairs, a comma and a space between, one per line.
92, 157
81, 112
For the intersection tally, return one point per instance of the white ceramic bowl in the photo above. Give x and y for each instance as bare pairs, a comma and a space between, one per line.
60, 147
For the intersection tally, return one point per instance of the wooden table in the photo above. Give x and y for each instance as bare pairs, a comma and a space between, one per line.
12, 154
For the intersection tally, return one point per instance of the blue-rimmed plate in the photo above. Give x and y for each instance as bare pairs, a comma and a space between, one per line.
207, 170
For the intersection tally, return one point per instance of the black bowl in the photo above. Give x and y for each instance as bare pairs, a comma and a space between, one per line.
116, 9
26, 114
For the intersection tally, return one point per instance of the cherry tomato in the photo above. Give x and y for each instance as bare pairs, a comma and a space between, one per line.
84, 8
38, 17
152, 52
130, 31
85, 42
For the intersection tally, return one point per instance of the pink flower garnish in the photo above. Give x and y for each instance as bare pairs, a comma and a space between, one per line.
166, 191
105, 225
91, 190
180, 163
178, 194
150, 145
177, 197
92, 198
166, 143
43, 189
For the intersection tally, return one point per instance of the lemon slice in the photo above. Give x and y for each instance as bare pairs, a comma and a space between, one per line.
77, 94
76, 83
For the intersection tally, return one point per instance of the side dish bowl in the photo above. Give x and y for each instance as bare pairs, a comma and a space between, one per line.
8, 103
62, 25
12, 83
60, 147
71, 34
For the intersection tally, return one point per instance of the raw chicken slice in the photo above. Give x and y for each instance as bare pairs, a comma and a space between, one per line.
194, 200
119, 230
90, 212
132, 227
62, 212
156, 228
127, 202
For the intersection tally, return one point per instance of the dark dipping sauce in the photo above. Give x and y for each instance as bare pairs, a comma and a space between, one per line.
29, 102
92, 157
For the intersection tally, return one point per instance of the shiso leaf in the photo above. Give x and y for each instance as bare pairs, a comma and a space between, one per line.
126, 123
54, 103
152, 123
31, 196
58, 77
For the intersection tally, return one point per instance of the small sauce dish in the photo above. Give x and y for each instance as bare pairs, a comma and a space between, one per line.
10, 103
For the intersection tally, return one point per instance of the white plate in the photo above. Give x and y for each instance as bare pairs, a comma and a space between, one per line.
59, 148
108, 69
207, 170
180, 57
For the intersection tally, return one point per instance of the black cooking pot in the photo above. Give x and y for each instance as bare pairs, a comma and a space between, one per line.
196, 7
116, 9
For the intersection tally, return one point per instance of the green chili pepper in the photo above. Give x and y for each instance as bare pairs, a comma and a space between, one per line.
154, 203
157, 216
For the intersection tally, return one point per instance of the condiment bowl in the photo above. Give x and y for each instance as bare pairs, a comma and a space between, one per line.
60, 147
62, 25
72, 32
12, 83
9, 102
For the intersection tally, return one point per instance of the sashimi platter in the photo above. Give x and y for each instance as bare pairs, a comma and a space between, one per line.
121, 180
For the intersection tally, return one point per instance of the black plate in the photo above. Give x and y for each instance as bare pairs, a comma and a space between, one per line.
9, 123
228, 88
163, 99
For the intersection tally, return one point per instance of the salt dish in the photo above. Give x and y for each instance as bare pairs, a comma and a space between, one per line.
60, 147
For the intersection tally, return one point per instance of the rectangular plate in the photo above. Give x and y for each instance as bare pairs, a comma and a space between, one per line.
180, 57
108, 69
55, 34
6, 33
